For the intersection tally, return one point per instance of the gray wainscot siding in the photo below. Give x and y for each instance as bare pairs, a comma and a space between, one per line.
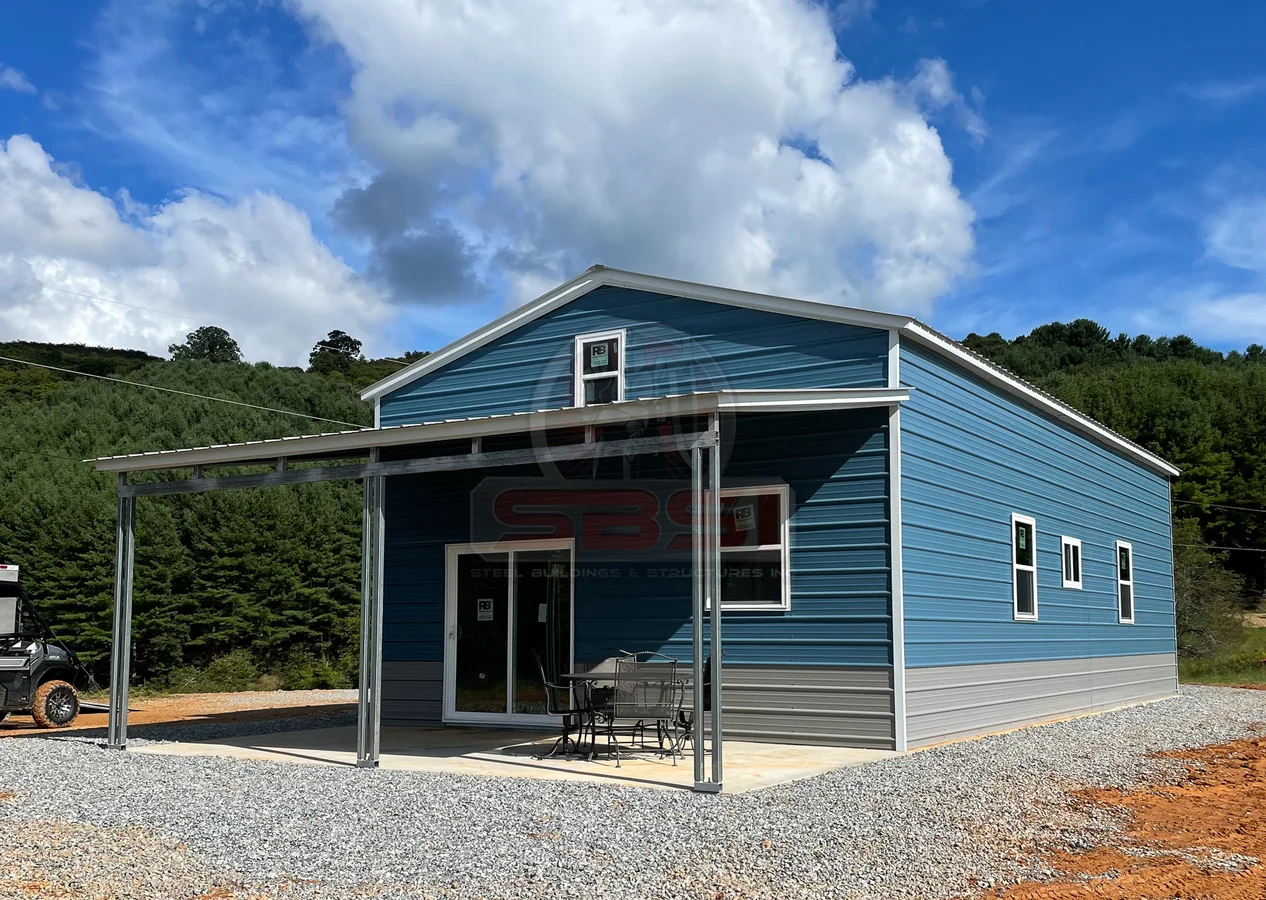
832, 705
945, 703
412, 692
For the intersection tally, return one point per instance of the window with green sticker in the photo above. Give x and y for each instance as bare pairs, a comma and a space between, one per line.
1023, 567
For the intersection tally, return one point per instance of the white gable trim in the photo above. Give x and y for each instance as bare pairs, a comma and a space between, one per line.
1001, 378
577, 287
600, 276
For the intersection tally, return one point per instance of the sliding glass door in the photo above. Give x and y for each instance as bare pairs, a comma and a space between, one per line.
509, 623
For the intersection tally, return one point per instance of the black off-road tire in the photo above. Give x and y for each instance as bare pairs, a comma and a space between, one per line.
56, 704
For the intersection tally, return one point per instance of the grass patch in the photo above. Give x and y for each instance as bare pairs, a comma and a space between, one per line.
1239, 663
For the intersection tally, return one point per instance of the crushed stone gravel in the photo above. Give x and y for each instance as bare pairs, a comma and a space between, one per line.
950, 821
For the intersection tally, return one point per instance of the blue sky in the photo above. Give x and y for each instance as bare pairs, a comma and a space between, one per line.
407, 171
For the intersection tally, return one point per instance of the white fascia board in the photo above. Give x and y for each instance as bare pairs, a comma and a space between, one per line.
600, 276
357, 442
809, 400
1000, 378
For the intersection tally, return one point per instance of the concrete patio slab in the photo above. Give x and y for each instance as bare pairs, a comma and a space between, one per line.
502, 753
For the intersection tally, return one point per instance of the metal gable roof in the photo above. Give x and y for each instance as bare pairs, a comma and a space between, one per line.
601, 276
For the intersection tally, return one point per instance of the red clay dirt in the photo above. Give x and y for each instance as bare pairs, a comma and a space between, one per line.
1186, 841
247, 706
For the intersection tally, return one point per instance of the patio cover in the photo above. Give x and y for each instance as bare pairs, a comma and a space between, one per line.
360, 452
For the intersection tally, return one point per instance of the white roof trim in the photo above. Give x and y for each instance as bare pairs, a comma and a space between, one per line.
351, 442
600, 276
1001, 378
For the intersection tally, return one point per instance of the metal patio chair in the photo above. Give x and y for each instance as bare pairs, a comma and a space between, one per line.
560, 702
686, 720
646, 689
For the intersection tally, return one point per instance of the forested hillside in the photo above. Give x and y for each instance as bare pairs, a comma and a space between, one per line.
253, 582
1202, 410
272, 573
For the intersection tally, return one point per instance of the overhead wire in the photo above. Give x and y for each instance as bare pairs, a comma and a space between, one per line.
1251, 509
154, 387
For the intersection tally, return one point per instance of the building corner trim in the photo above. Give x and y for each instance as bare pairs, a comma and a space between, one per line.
896, 564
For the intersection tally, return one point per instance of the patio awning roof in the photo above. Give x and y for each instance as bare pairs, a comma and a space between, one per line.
359, 443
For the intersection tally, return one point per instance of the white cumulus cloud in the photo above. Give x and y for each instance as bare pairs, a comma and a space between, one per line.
519, 141
251, 266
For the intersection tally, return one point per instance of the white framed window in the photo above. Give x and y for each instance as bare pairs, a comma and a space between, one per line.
599, 368
1125, 583
755, 548
1023, 567
1070, 554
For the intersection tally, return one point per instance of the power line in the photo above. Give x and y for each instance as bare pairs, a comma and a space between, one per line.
155, 387
1221, 506
163, 312
38, 453
1219, 547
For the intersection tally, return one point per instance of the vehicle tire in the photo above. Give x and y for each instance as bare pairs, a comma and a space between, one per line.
56, 704
4, 714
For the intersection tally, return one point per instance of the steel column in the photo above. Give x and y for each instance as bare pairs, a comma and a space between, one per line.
697, 580
369, 705
714, 619
121, 644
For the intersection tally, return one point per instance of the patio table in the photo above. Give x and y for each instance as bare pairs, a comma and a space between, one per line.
598, 694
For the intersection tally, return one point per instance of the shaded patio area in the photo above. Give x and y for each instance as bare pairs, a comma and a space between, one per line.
512, 754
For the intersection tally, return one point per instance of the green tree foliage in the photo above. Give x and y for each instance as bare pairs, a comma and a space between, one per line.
337, 353
1206, 595
208, 343
272, 573
1201, 410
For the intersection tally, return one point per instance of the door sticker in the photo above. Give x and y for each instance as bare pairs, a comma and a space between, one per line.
483, 609
745, 517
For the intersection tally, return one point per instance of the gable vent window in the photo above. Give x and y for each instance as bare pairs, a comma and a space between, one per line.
1070, 549
1023, 567
1125, 583
599, 368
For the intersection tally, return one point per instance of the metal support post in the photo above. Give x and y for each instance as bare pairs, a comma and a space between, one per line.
369, 707
714, 619
121, 643
697, 578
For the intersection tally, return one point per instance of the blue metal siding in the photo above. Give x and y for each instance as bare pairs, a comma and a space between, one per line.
836, 466
971, 456
675, 345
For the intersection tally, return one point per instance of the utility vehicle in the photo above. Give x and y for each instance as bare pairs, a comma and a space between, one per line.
39, 674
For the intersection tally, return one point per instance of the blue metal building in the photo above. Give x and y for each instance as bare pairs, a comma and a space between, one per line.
896, 542
949, 552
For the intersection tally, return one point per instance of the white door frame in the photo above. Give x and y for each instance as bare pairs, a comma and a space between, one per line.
451, 553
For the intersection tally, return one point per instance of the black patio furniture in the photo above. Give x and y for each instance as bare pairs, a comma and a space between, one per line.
560, 701
644, 693
686, 719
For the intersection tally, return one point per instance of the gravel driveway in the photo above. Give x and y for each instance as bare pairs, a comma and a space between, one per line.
939, 823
